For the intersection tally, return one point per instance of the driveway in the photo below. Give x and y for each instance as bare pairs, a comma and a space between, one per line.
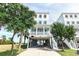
39, 52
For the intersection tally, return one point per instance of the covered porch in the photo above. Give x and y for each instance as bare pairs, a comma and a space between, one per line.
39, 42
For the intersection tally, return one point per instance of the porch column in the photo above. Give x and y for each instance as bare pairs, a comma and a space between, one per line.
43, 30
75, 40
36, 30
51, 42
27, 42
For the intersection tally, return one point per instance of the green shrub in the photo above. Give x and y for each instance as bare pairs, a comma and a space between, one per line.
5, 42
1, 41
8, 41
24, 46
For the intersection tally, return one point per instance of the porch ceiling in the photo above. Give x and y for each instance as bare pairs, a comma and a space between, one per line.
40, 25
40, 38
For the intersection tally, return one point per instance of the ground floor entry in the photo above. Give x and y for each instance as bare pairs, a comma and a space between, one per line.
39, 43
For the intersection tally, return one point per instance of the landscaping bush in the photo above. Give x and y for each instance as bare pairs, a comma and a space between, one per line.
5, 42
24, 46
8, 41
1, 41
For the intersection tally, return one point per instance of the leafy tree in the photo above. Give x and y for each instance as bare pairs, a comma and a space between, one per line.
16, 18
20, 18
70, 33
62, 32
26, 34
3, 15
58, 30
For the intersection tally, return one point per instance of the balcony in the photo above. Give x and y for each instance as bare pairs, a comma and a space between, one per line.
33, 33
39, 33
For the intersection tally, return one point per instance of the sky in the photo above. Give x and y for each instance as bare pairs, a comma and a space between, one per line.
54, 9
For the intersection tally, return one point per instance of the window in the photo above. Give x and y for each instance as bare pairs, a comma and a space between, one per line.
75, 16
68, 22
40, 29
33, 29
45, 16
66, 16
77, 29
70, 16
45, 22
77, 22
40, 16
40, 22
77, 41
73, 22
46, 29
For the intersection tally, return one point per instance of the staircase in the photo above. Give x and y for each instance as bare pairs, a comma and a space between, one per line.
70, 44
55, 46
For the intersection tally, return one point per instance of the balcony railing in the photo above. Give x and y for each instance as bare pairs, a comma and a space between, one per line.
39, 33
33, 33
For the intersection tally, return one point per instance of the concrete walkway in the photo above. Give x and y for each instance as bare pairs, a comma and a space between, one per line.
39, 52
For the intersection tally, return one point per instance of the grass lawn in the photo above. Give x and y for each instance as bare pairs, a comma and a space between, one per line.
5, 50
68, 52
8, 53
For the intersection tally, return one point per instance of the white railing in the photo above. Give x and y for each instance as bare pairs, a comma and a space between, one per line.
55, 46
39, 33
33, 33
71, 44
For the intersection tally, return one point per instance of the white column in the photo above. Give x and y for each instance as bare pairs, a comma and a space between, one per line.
27, 42
43, 30
36, 30
50, 43
75, 40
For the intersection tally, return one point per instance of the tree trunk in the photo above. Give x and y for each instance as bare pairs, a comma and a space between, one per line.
12, 43
62, 45
24, 40
19, 47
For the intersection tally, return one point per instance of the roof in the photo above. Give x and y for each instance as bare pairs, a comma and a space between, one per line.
69, 13
42, 12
